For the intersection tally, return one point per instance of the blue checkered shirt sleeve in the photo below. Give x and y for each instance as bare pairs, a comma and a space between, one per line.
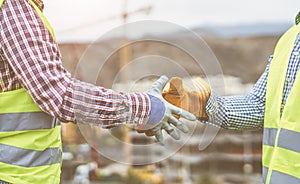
239, 112
247, 111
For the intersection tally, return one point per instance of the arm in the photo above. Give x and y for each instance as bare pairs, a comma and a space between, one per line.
35, 59
240, 112
230, 112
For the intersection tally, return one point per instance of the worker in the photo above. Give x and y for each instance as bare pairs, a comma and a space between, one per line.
35, 87
273, 104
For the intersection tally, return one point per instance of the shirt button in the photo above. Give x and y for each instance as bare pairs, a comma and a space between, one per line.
288, 80
296, 53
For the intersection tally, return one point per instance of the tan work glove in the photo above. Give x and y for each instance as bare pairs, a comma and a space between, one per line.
163, 114
193, 100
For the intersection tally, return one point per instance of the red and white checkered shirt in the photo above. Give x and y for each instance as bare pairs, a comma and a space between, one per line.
30, 59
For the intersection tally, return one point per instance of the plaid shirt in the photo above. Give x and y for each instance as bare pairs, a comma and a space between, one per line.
247, 111
30, 59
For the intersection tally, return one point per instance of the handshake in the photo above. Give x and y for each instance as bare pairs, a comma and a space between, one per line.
168, 106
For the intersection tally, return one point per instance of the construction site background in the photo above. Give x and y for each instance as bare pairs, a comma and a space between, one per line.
233, 156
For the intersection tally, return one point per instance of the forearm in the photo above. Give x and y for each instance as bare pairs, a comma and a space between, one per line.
93, 104
235, 112
240, 112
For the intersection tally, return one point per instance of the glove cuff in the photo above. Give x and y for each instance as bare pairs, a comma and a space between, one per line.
157, 110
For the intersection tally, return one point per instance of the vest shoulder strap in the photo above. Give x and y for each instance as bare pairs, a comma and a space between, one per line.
41, 15
1, 3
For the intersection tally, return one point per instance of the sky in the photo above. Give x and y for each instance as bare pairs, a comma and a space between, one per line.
78, 20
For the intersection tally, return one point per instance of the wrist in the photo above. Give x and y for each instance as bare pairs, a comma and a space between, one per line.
212, 104
138, 108
157, 110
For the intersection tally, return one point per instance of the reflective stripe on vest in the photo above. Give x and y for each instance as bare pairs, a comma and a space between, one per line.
280, 178
287, 139
25, 121
29, 158
281, 141
30, 140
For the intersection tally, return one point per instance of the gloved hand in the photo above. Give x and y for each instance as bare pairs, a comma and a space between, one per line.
161, 115
193, 100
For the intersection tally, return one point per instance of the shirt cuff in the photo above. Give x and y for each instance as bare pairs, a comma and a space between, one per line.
157, 110
139, 110
212, 110
212, 104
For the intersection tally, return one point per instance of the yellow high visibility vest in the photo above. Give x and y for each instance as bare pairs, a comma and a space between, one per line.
30, 140
281, 141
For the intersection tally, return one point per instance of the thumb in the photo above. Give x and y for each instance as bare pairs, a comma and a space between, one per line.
176, 86
160, 83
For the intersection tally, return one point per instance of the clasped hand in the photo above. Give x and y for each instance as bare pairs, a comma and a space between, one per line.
166, 120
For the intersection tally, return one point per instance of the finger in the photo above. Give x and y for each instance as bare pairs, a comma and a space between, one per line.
159, 136
160, 83
182, 113
140, 131
149, 133
144, 127
178, 124
175, 86
171, 131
